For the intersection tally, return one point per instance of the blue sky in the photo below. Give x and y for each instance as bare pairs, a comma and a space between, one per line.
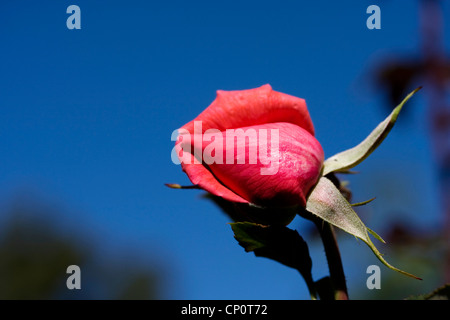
86, 118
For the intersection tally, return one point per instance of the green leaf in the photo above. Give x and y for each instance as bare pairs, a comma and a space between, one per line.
278, 243
250, 235
348, 159
275, 242
326, 202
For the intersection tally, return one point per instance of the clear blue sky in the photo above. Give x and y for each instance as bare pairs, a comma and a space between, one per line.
86, 118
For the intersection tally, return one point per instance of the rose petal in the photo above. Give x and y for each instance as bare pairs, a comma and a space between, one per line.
199, 175
243, 108
295, 165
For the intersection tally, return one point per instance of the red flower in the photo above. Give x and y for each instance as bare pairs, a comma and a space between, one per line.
253, 146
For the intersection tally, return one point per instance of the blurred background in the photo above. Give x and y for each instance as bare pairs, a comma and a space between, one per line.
86, 118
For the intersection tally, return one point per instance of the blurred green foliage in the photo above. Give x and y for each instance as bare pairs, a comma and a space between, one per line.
35, 254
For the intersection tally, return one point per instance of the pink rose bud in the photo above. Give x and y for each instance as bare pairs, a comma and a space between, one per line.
253, 146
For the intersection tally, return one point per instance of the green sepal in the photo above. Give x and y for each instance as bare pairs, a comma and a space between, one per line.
363, 203
327, 203
348, 159
178, 186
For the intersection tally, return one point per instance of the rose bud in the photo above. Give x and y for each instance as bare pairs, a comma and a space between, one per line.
253, 147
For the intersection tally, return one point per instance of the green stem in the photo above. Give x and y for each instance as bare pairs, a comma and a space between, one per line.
309, 283
311, 288
334, 259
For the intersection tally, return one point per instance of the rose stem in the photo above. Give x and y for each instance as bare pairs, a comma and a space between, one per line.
311, 288
334, 259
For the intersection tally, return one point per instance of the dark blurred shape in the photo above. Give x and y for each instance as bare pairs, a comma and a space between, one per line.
406, 236
33, 260
35, 254
431, 68
432, 71
397, 77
